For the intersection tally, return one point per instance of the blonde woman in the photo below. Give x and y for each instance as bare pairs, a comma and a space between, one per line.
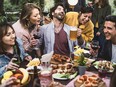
28, 26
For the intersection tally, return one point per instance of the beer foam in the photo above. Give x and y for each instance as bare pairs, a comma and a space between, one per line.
73, 29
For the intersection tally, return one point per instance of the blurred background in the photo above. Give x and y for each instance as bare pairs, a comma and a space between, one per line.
11, 8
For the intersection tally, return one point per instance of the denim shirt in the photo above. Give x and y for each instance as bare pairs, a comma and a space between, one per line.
4, 60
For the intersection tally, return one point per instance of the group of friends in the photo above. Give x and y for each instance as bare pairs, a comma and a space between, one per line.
26, 39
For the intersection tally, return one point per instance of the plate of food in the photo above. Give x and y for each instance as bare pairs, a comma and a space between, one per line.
21, 74
103, 64
64, 71
89, 81
57, 58
64, 76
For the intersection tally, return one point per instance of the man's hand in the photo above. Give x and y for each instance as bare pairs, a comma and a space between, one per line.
98, 34
79, 32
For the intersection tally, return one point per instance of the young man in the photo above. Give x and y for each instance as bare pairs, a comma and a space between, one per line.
55, 35
82, 20
109, 50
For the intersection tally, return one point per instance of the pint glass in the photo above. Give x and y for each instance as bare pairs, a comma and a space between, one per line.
73, 33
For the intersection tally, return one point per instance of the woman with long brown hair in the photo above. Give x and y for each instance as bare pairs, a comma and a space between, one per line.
11, 49
27, 28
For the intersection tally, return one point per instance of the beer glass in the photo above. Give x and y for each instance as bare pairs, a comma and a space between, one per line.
73, 33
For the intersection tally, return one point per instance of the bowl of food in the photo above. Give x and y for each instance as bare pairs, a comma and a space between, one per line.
21, 74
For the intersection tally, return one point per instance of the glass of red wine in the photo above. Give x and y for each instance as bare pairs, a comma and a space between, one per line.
102, 73
95, 44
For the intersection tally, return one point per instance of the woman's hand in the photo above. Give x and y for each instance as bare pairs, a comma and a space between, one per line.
9, 82
12, 65
28, 58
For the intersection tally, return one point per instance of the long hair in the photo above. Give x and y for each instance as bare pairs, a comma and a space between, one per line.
3, 31
26, 12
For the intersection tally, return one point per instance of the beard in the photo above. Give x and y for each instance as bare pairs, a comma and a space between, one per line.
59, 16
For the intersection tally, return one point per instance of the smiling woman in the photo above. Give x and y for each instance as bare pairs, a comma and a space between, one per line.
9, 47
27, 26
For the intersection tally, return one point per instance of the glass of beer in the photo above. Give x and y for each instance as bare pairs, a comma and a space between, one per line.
73, 33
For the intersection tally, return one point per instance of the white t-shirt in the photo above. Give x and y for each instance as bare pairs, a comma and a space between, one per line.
113, 53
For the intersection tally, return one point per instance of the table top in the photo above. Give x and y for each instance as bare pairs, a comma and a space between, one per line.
106, 80
68, 82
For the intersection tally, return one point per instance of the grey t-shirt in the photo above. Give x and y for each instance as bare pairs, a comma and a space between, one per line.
113, 53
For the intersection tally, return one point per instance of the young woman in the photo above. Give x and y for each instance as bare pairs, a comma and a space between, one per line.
10, 49
27, 28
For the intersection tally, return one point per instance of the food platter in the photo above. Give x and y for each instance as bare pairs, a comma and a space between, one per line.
64, 76
103, 64
89, 81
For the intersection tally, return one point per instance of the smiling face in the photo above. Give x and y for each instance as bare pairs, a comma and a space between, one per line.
9, 38
84, 18
35, 16
110, 30
59, 13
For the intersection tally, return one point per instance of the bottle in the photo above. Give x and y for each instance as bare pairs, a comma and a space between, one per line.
35, 72
17, 61
36, 82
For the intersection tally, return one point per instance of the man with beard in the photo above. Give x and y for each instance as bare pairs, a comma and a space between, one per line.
82, 21
55, 35
109, 50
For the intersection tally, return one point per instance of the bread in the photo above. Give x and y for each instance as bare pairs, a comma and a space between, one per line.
87, 84
94, 83
85, 77
80, 80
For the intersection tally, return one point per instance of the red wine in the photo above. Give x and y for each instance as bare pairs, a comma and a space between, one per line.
102, 73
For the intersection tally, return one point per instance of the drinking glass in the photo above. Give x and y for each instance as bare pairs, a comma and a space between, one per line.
45, 78
102, 73
73, 33
95, 44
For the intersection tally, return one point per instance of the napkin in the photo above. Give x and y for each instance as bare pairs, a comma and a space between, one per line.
47, 57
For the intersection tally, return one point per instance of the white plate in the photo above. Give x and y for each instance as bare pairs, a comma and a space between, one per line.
59, 76
96, 66
32, 68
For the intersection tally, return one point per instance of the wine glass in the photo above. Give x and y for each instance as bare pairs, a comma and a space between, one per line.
95, 44
102, 73
95, 47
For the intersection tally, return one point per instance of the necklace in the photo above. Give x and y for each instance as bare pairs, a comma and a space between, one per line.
57, 29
